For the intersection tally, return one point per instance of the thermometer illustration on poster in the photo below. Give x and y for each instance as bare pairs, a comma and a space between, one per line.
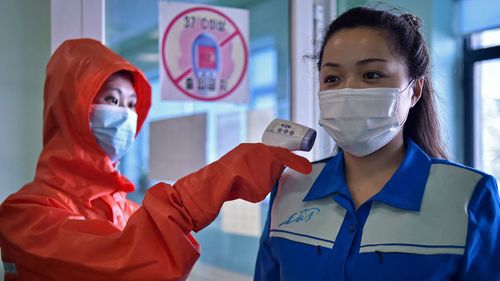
206, 64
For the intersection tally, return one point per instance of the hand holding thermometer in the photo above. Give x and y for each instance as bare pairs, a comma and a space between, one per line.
289, 135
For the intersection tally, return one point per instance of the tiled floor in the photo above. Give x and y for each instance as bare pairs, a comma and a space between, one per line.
201, 272
204, 272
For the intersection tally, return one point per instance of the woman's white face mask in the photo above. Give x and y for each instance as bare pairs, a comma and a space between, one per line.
114, 128
365, 93
361, 121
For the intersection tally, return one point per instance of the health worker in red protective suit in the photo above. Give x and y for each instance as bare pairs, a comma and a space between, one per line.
73, 221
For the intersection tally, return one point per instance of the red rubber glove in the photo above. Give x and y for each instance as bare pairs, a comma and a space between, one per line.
249, 172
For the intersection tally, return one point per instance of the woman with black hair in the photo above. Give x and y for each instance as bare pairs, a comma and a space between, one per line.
389, 206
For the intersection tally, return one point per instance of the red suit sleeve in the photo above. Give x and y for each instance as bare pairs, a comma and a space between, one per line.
43, 238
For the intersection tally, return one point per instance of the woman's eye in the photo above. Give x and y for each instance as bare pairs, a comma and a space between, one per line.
131, 105
331, 79
372, 75
112, 100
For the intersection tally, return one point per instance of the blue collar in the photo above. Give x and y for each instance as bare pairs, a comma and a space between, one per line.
404, 190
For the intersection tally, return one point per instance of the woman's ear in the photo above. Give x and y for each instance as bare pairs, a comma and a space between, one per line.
417, 91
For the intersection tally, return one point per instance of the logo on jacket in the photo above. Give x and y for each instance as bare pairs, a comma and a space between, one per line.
302, 216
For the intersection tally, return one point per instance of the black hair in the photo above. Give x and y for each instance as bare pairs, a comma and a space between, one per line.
406, 41
124, 73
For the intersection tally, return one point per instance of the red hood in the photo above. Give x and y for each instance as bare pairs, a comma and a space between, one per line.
71, 160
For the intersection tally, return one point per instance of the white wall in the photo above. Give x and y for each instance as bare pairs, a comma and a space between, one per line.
25, 50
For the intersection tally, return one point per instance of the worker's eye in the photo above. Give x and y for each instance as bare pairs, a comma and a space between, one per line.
331, 79
111, 100
372, 75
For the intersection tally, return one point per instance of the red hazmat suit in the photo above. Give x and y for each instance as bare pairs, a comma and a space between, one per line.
73, 222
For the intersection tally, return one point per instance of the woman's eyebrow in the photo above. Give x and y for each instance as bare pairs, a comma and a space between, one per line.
370, 60
133, 95
361, 62
330, 64
115, 89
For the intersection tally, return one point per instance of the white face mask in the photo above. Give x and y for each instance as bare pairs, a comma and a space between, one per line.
114, 128
361, 121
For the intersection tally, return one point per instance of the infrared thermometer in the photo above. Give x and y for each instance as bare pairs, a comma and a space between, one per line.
289, 135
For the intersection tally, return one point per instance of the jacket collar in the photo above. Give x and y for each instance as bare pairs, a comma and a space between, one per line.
404, 190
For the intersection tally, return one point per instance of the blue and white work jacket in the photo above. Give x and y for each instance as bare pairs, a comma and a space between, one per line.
433, 220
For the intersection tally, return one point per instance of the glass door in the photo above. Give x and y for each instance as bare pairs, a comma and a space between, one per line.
228, 251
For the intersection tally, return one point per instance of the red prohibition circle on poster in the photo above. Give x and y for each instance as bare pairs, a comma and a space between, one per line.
212, 47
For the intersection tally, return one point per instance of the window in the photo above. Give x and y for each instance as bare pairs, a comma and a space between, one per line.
482, 100
485, 39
